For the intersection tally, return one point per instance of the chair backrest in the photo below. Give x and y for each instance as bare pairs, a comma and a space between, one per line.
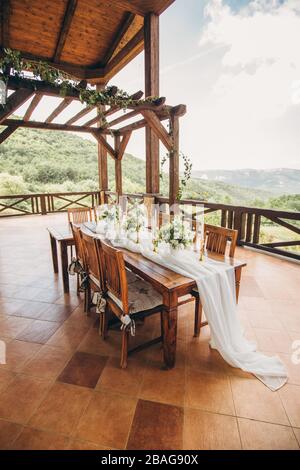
78, 243
80, 215
216, 239
114, 273
91, 258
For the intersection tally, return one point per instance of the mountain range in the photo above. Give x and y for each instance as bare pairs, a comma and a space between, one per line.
277, 180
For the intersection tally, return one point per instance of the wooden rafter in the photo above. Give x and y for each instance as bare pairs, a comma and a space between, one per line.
129, 17
5, 22
104, 142
14, 101
126, 54
79, 115
122, 118
157, 127
69, 13
34, 103
7, 132
122, 144
63, 105
46, 126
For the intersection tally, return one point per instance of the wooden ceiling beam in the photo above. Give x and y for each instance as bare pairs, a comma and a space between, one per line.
157, 127
128, 6
14, 101
119, 37
79, 115
66, 24
5, 13
59, 109
104, 142
7, 132
46, 126
123, 145
35, 101
122, 58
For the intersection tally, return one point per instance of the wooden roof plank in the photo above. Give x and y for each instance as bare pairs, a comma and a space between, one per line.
5, 22
70, 11
35, 101
59, 109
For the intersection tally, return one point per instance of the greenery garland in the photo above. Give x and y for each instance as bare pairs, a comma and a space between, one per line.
110, 95
186, 174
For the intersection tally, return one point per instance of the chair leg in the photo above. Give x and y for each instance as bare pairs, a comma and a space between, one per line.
198, 317
88, 298
124, 352
162, 324
78, 284
105, 321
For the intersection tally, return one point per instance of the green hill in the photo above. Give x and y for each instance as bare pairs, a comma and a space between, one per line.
49, 161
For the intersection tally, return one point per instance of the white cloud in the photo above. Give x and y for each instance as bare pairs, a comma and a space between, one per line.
257, 85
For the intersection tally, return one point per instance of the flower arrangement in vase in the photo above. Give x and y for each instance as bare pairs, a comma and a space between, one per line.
108, 216
177, 234
135, 221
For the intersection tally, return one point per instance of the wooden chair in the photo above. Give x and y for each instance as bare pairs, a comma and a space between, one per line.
79, 250
80, 215
136, 298
93, 268
215, 241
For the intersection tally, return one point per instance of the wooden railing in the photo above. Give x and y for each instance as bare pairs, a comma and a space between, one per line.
255, 226
25, 204
269, 230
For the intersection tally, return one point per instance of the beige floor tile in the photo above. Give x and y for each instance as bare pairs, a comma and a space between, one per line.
20, 399
8, 433
34, 439
107, 420
61, 408
290, 395
256, 435
209, 431
252, 399
209, 392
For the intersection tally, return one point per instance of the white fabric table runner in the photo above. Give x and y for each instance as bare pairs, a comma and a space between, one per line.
216, 286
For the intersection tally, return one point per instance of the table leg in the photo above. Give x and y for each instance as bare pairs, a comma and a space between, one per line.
54, 253
170, 333
64, 265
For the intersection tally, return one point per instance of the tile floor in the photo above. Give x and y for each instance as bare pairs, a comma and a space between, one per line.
62, 388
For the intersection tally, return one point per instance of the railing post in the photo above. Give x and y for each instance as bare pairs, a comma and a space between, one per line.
239, 224
43, 204
256, 229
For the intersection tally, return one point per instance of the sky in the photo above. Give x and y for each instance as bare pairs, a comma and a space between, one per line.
236, 65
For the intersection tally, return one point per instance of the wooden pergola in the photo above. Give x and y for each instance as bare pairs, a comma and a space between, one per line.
92, 40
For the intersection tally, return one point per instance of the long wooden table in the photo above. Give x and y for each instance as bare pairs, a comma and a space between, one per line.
170, 284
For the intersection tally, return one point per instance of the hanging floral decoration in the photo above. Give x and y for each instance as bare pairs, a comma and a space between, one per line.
12, 61
186, 174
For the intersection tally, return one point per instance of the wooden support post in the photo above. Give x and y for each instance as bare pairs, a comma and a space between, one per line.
174, 162
102, 157
118, 167
151, 41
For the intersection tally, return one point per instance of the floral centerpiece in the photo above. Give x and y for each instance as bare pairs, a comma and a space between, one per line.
135, 221
108, 217
177, 234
